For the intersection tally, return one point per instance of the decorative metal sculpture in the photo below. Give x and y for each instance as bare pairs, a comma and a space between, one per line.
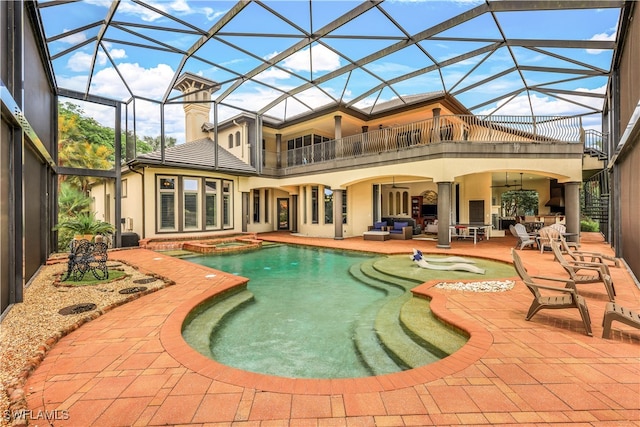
86, 256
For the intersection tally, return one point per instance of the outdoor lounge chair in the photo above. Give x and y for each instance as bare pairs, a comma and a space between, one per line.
378, 226
552, 297
401, 231
614, 312
586, 256
576, 269
524, 238
546, 235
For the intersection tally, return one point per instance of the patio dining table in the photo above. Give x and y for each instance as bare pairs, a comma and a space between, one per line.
475, 231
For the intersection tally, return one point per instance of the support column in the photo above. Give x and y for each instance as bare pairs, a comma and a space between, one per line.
337, 214
278, 150
444, 214
572, 209
293, 220
337, 135
436, 130
337, 124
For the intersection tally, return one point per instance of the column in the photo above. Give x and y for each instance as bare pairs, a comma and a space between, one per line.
337, 214
444, 214
572, 209
436, 132
278, 150
337, 129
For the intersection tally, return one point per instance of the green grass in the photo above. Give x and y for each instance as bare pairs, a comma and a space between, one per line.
89, 279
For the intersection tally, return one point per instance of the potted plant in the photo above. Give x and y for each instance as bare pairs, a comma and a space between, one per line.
85, 226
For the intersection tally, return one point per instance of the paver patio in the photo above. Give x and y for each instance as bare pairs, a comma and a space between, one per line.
131, 366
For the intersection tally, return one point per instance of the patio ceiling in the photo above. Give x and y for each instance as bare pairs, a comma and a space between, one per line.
281, 59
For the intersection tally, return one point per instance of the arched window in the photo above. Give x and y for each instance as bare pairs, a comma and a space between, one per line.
398, 204
390, 207
405, 202
237, 138
230, 141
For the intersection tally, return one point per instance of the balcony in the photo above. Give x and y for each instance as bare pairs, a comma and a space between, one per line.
429, 137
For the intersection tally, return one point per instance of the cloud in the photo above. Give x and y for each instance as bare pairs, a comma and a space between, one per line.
601, 37
73, 39
324, 59
547, 105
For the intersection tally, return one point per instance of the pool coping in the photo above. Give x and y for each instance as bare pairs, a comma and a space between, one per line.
480, 340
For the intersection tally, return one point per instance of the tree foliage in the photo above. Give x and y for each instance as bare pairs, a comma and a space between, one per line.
519, 202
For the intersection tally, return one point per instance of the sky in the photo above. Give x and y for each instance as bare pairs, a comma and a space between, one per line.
125, 68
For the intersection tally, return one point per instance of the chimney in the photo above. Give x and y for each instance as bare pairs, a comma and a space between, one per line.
197, 95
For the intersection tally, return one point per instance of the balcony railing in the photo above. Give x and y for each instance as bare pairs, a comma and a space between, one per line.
458, 128
595, 143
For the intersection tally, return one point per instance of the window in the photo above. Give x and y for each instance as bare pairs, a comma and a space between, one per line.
226, 203
266, 206
237, 138
256, 206
167, 205
211, 204
123, 188
191, 202
230, 140
314, 204
328, 206
344, 207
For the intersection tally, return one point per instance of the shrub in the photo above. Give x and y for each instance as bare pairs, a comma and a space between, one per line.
588, 224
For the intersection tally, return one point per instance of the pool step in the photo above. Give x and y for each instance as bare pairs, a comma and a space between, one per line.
356, 271
368, 268
421, 324
372, 354
202, 322
400, 346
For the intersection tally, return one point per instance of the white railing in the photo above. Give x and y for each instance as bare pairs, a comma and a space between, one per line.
458, 128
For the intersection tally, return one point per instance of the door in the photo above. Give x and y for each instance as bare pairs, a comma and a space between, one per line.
283, 214
476, 211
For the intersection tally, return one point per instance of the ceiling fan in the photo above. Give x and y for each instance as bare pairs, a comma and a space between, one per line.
397, 186
506, 182
507, 185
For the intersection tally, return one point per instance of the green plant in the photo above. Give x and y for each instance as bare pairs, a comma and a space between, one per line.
588, 224
85, 223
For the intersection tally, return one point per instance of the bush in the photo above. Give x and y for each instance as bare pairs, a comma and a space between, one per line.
589, 225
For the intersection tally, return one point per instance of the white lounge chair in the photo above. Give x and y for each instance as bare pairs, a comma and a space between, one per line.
524, 238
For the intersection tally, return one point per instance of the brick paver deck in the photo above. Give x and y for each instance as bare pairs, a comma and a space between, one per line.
131, 366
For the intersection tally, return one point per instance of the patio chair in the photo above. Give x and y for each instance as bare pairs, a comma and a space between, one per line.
524, 239
552, 297
546, 235
576, 270
614, 312
587, 256
562, 229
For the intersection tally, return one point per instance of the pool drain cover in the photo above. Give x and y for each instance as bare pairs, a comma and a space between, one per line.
77, 308
145, 280
133, 290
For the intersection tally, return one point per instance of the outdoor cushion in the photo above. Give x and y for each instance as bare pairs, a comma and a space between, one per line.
379, 225
400, 225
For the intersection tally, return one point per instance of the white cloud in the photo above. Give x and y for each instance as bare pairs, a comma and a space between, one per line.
547, 105
73, 39
81, 61
324, 59
601, 37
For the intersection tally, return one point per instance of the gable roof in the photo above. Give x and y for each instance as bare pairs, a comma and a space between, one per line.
198, 154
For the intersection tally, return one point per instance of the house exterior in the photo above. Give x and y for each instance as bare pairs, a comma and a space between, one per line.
335, 172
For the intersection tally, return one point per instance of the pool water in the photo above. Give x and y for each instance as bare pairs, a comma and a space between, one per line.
304, 312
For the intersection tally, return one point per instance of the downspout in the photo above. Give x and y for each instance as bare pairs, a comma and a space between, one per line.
143, 203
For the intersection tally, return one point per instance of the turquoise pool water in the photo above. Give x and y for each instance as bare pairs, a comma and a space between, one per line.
301, 321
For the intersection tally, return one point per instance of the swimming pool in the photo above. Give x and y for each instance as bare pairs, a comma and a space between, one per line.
319, 313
